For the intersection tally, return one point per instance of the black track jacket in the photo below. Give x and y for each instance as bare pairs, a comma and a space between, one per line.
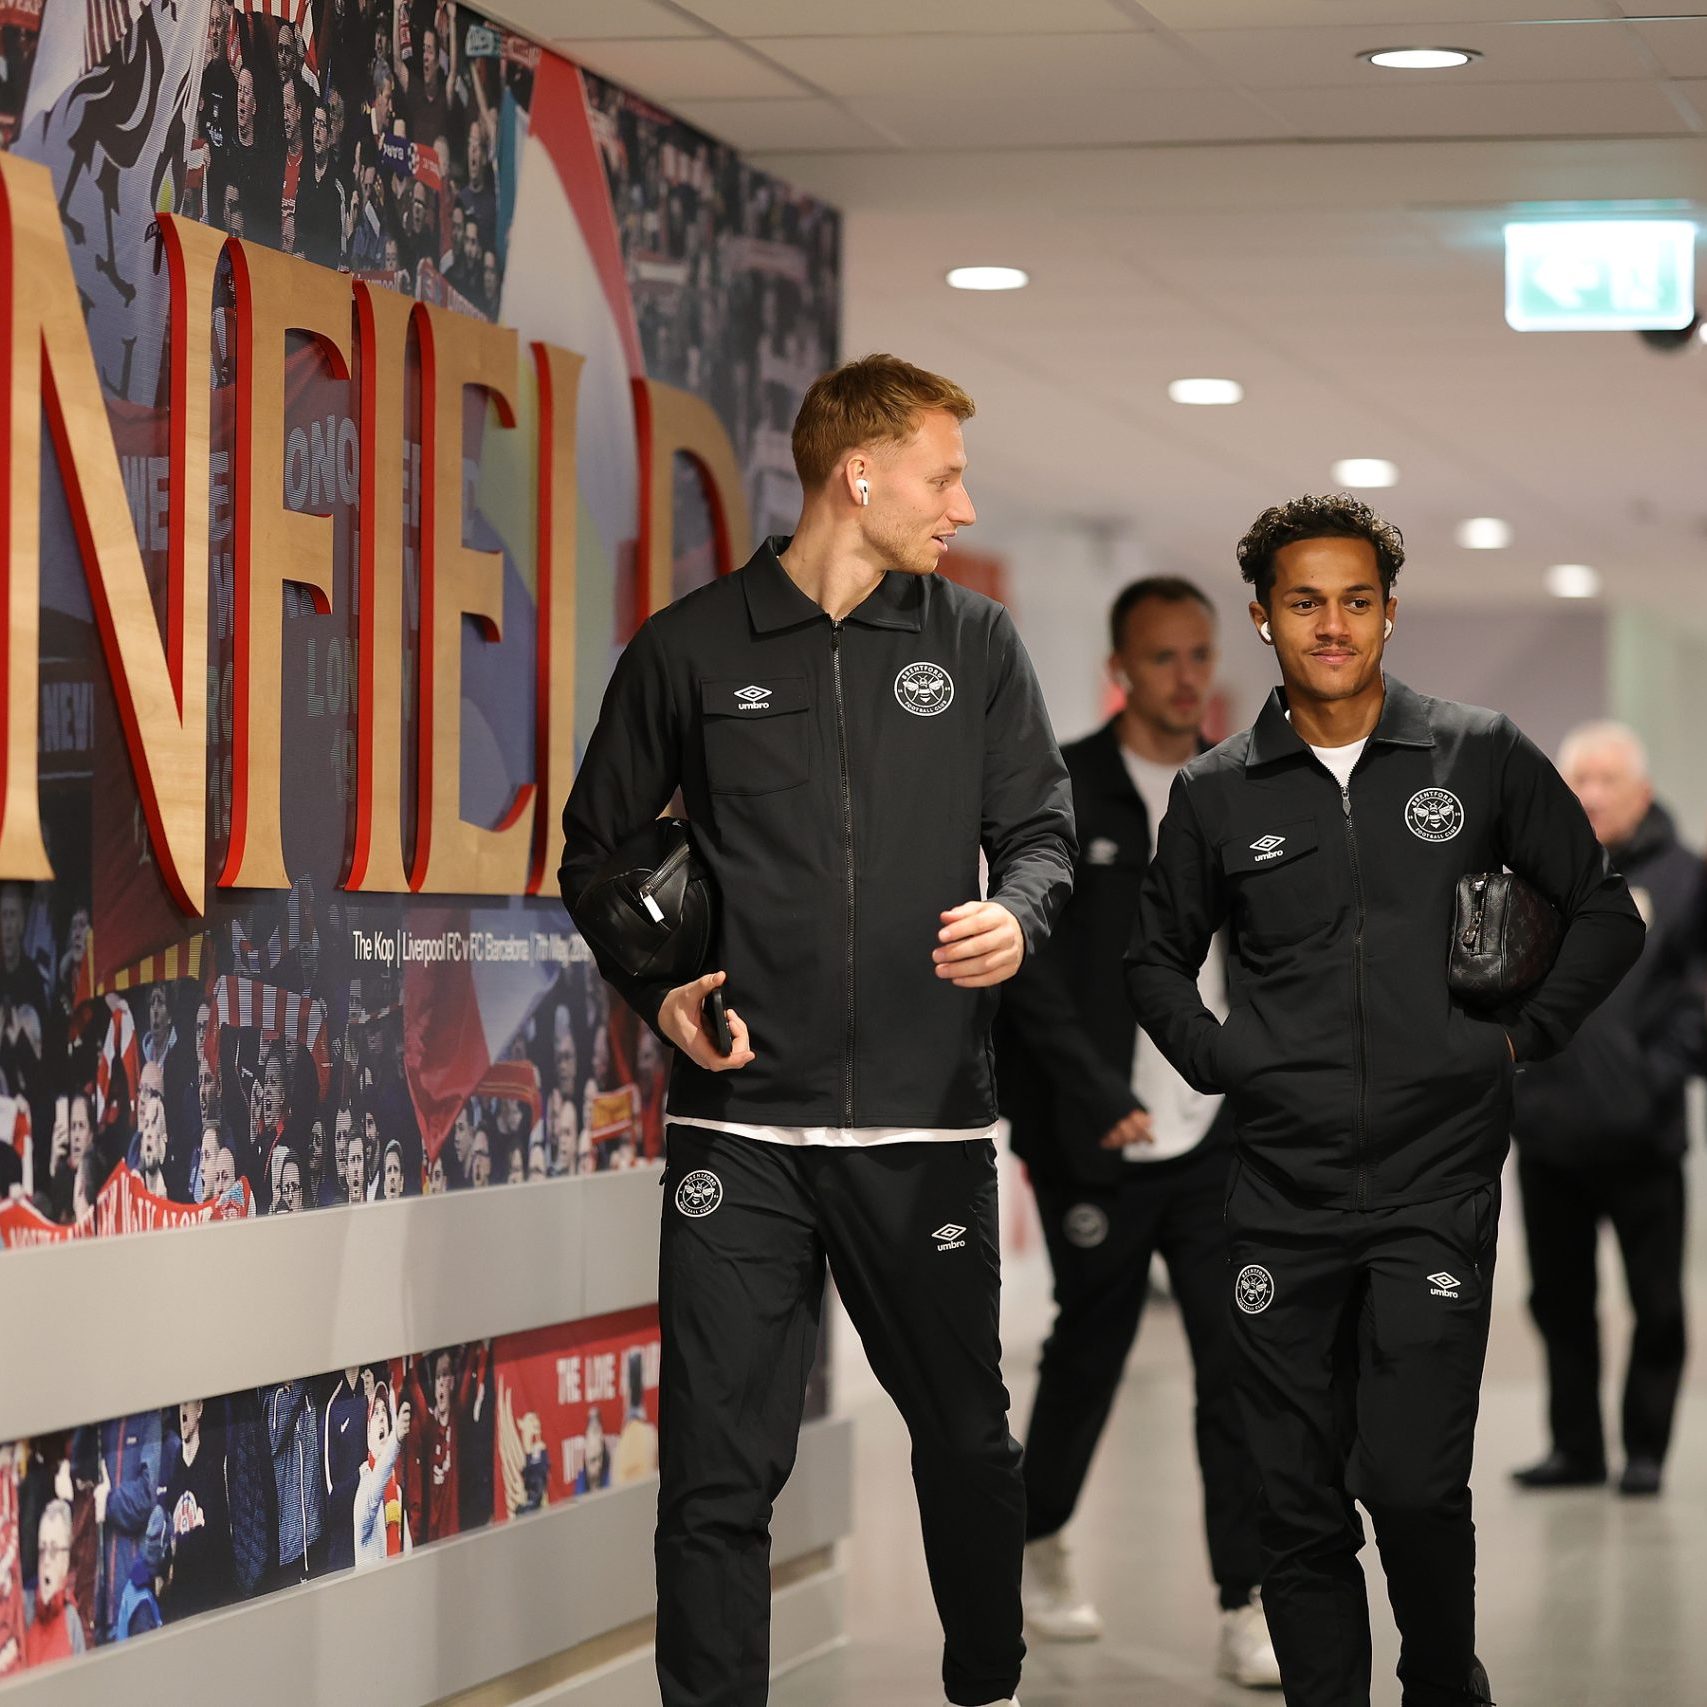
1065, 1032
1354, 1078
841, 779
1617, 1094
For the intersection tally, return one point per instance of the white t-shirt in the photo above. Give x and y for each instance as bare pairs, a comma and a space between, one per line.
1180, 1117
837, 1137
1342, 761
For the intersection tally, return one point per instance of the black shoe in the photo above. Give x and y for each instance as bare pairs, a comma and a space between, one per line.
1557, 1470
1641, 1476
1479, 1688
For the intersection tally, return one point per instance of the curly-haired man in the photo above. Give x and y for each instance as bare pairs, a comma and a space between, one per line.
1370, 1110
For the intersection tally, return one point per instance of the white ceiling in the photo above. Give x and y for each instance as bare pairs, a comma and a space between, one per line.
1224, 187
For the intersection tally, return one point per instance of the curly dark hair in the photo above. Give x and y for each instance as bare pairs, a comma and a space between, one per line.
1333, 515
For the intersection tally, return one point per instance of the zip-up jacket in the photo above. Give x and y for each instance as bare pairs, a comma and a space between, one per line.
1354, 1078
1066, 1033
1616, 1096
841, 778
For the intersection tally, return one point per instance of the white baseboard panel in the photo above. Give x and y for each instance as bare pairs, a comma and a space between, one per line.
806, 1622
364, 1282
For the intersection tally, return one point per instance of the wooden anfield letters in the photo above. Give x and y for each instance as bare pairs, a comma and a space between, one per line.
160, 678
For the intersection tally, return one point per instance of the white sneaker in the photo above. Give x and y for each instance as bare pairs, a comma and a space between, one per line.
1054, 1608
1245, 1654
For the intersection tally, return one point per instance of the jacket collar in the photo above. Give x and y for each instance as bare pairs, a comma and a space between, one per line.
1108, 772
1653, 835
775, 602
1404, 722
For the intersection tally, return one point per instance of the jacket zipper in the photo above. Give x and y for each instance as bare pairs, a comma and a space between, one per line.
847, 866
1360, 1111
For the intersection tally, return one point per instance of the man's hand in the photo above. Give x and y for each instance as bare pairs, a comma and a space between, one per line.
1133, 1128
681, 1020
981, 944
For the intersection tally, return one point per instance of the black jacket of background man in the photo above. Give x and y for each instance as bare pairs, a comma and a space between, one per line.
1065, 1032
841, 779
1617, 1094
1354, 1078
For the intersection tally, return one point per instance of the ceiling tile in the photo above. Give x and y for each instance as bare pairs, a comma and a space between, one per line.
1679, 44
1512, 53
1079, 68
1379, 14
804, 124
680, 70
1159, 115
1482, 110
589, 19
909, 17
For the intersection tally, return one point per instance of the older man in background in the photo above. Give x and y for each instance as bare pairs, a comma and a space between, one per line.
1601, 1137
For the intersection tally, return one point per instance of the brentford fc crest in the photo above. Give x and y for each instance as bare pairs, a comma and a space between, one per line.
926, 690
1434, 814
699, 1193
1253, 1291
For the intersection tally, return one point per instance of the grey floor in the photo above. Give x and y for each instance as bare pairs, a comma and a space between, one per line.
1586, 1600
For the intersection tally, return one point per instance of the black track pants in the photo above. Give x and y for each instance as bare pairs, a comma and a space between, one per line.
1100, 1240
1363, 1336
1562, 1211
910, 1234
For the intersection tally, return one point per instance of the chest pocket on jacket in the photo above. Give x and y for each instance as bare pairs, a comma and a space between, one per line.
1276, 879
756, 733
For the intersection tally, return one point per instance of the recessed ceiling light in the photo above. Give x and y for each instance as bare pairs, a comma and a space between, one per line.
1484, 533
1573, 581
1364, 471
1421, 58
988, 278
1207, 392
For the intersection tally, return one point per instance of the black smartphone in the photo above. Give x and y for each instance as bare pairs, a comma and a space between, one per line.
717, 1017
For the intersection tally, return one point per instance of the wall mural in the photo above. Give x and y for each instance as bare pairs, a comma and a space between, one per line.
374, 992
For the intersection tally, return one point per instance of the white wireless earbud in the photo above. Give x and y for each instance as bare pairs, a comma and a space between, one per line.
1387, 632
863, 487
1267, 635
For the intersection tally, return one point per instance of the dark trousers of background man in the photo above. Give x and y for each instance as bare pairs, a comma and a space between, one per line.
1562, 1211
911, 1235
1101, 1239
1363, 1334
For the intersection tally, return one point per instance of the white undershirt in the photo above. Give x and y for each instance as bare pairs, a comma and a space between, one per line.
1180, 1117
843, 1137
1342, 761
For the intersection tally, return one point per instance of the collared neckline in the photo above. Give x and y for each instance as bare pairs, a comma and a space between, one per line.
775, 602
1404, 722
1111, 774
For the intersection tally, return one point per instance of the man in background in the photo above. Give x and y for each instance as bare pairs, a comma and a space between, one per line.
1601, 1136
1126, 1159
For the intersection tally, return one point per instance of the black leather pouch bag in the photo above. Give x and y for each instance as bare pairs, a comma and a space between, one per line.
652, 907
1504, 938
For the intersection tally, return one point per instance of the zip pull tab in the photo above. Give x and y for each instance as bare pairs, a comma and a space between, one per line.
1472, 938
1345, 801
657, 881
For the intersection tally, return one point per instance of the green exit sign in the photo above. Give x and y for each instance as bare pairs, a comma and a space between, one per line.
1608, 275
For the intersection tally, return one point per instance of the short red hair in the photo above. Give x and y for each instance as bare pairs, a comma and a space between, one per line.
875, 400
